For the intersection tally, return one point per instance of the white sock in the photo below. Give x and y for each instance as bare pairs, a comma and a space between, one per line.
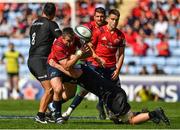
69, 111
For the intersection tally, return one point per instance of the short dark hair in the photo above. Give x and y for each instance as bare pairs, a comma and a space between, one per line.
100, 10
49, 9
115, 12
68, 31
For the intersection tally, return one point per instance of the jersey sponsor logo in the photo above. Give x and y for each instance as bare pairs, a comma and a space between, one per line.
41, 77
57, 29
53, 74
109, 45
37, 23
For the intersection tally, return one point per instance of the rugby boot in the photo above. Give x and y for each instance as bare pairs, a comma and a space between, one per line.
40, 120
161, 115
102, 114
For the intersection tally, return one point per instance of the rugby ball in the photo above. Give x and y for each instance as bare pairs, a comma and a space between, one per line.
83, 32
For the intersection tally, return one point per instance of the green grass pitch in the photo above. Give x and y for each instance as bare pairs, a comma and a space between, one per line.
86, 109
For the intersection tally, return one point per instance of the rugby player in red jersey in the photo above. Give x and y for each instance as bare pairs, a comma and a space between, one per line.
106, 41
62, 52
114, 97
99, 21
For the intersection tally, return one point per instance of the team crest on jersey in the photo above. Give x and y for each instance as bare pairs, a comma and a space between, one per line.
104, 38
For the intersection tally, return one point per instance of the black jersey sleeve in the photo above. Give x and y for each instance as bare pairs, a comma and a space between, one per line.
55, 29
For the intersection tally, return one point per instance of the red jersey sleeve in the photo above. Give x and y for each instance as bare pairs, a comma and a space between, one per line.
122, 39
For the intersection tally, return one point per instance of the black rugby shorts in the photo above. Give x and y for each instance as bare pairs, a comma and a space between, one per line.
38, 67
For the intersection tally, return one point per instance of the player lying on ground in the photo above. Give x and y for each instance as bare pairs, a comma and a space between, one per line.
115, 98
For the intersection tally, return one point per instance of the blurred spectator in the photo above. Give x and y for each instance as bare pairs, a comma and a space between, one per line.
11, 59
145, 94
160, 26
156, 70
178, 28
143, 71
147, 28
130, 36
172, 31
140, 47
5, 28
136, 26
163, 47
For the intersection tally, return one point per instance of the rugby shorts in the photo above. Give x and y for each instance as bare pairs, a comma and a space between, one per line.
53, 72
38, 67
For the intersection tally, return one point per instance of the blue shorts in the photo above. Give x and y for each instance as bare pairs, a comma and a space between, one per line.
53, 72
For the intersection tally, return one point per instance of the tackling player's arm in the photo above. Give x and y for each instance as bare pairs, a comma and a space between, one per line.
69, 62
72, 72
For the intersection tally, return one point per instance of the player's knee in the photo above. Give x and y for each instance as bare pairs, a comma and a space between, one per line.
68, 95
127, 118
57, 90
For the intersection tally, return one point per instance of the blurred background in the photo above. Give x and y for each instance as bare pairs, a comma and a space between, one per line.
152, 54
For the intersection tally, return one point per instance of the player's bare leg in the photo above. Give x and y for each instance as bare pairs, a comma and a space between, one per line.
46, 98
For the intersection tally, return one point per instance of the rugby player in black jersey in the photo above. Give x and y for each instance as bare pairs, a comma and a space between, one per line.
42, 34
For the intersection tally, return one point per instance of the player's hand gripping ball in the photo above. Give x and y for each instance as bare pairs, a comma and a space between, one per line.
84, 33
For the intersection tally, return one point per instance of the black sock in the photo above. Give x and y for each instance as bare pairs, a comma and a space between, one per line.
136, 113
57, 105
62, 101
100, 103
41, 114
77, 100
152, 114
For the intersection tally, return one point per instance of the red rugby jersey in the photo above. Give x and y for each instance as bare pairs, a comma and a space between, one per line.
106, 44
61, 51
92, 26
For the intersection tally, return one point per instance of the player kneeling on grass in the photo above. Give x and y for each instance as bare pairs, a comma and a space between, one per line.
114, 98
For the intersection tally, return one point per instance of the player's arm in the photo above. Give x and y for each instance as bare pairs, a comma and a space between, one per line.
59, 67
119, 61
72, 72
55, 30
68, 62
